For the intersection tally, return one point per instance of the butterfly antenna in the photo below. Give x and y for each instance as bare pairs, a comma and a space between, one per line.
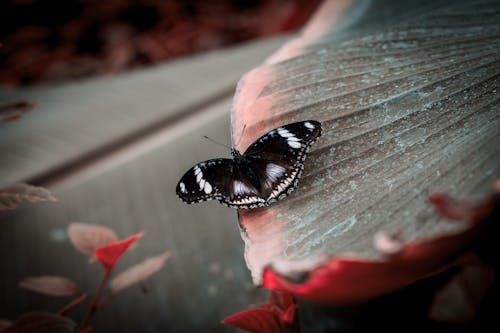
241, 136
220, 144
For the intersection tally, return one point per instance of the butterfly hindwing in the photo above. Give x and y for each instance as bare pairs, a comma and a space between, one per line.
276, 177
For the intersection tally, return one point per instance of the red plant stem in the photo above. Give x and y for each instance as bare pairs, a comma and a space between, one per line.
105, 301
95, 301
73, 304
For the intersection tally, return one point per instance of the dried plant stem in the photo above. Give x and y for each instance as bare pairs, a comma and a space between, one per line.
73, 304
95, 301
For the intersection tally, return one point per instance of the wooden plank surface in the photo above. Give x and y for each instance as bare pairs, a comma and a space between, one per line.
205, 280
129, 187
76, 120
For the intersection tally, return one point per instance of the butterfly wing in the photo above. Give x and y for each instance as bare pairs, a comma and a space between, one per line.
205, 181
278, 157
220, 179
267, 171
244, 189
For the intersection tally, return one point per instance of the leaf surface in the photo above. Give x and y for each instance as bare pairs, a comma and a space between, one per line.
408, 101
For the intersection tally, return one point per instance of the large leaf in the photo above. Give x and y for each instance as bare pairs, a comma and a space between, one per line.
407, 93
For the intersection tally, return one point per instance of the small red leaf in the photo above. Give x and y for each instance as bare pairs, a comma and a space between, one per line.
139, 272
109, 254
275, 316
13, 196
41, 322
14, 111
50, 285
255, 320
86, 238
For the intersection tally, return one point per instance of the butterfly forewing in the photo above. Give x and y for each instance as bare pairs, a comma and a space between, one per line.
278, 156
206, 180
287, 143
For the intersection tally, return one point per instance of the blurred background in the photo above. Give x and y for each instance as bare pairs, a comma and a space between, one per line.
57, 40
113, 99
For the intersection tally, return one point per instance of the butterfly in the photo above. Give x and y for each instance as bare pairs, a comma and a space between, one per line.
266, 172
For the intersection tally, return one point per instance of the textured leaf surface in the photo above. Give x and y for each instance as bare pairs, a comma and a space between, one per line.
139, 272
408, 98
13, 196
50, 285
88, 237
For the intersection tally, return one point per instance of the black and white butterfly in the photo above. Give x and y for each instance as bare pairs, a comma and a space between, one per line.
266, 172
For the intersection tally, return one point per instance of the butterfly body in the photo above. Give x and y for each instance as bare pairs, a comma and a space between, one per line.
266, 172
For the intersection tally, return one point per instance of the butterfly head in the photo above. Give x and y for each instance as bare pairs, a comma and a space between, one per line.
236, 154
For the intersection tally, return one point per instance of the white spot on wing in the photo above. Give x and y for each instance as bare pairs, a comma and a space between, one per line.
294, 144
309, 125
274, 171
285, 133
240, 189
208, 188
182, 187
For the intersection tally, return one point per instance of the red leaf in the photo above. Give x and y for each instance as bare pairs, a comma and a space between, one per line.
255, 320
87, 237
109, 254
139, 272
14, 111
349, 280
41, 322
277, 315
13, 196
50, 285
